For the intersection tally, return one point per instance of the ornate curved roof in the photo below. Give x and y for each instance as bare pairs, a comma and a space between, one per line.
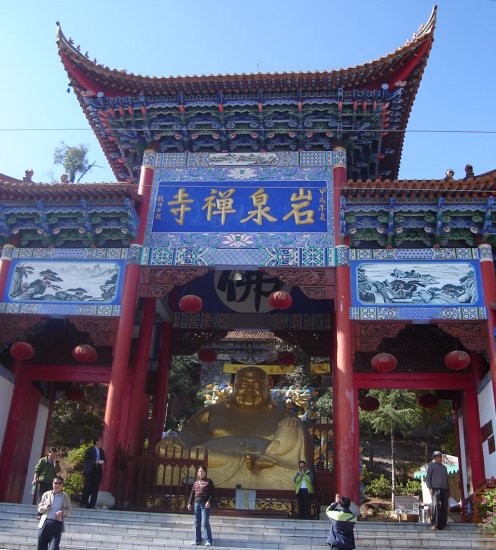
76, 215
366, 108
419, 213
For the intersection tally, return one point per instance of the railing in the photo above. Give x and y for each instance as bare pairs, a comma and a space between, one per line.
163, 483
156, 483
471, 504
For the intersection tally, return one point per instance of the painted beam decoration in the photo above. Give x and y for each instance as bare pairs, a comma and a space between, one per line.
243, 209
416, 284
65, 285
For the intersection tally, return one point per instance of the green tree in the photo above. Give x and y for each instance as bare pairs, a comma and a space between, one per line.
183, 386
325, 406
438, 416
76, 422
74, 159
398, 413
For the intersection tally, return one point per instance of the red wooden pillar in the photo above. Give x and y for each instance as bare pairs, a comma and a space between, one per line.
122, 344
141, 370
162, 391
489, 286
346, 451
16, 450
5, 261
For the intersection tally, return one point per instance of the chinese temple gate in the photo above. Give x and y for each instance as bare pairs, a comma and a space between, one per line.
231, 188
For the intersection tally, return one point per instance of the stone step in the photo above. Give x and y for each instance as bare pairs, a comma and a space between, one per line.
123, 530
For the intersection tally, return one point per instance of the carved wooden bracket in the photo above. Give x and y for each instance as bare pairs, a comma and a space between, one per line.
317, 284
16, 327
102, 331
157, 282
369, 336
473, 336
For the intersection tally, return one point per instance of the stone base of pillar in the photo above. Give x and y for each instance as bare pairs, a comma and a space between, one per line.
105, 500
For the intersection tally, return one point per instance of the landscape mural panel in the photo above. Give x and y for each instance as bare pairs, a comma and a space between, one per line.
424, 290
67, 287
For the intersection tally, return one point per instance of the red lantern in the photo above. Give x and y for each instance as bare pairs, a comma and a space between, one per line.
457, 360
74, 394
280, 300
84, 353
21, 351
369, 403
207, 355
286, 358
384, 362
428, 400
190, 303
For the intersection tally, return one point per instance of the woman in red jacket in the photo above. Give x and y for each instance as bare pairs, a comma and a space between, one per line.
202, 494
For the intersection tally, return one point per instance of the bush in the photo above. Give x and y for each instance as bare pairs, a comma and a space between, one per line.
73, 484
74, 481
487, 509
379, 487
410, 487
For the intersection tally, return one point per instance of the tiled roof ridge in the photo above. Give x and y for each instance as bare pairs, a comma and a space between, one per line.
20, 188
66, 45
462, 183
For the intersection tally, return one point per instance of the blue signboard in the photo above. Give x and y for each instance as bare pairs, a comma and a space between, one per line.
245, 210
260, 206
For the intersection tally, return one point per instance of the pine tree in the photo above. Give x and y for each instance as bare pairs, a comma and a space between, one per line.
398, 413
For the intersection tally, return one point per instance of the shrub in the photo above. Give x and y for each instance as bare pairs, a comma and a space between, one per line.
379, 487
487, 508
410, 487
74, 481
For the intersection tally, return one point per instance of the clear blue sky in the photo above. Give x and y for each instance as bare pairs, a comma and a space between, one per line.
453, 120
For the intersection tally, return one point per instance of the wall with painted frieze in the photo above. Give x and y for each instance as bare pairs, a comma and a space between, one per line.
37, 450
487, 415
6, 390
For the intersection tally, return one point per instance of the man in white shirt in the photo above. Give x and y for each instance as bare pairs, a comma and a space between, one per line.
54, 506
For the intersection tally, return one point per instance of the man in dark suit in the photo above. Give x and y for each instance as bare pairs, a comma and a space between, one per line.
94, 459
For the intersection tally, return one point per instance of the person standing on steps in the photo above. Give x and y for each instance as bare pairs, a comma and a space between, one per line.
45, 470
436, 480
94, 459
202, 494
303, 481
53, 507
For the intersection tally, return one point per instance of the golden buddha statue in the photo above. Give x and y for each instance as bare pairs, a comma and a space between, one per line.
251, 441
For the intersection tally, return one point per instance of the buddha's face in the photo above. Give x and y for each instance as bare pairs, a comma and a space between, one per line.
251, 388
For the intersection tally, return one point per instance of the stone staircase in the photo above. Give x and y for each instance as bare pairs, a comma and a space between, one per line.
117, 530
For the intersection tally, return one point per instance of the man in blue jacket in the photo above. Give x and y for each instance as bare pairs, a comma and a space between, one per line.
341, 536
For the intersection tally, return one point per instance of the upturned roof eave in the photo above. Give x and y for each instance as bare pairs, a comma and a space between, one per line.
91, 76
88, 78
